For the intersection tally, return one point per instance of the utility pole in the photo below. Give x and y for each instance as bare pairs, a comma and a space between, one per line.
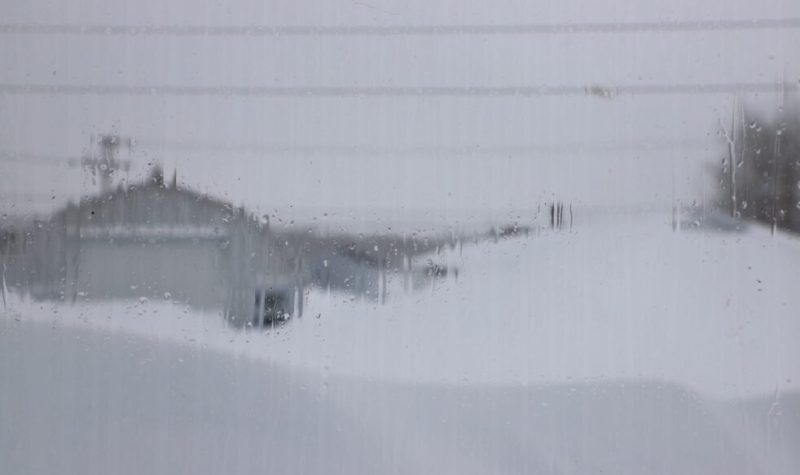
107, 164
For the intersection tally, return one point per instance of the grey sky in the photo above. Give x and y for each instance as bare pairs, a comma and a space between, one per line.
461, 152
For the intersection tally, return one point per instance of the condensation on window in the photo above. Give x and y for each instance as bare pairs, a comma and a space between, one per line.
399, 237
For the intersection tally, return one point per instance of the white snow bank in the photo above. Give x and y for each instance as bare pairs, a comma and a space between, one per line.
80, 400
620, 298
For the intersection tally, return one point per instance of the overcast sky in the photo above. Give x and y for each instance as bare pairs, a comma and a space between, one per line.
316, 148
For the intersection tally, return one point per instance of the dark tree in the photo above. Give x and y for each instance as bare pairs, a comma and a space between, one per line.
760, 176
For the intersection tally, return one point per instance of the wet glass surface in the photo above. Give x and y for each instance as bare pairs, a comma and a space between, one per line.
393, 237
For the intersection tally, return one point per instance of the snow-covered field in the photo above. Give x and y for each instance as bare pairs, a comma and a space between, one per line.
617, 346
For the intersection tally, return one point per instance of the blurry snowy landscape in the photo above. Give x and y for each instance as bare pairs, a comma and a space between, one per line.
620, 345
400, 237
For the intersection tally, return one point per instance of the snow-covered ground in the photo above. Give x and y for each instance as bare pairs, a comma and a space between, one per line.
615, 299
617, 346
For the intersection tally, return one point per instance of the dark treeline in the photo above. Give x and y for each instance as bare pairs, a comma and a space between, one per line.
760, 177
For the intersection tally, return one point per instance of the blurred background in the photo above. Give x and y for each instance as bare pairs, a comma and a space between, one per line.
400, 237
426, 106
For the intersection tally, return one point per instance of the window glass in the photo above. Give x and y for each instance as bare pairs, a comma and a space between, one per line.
446, 236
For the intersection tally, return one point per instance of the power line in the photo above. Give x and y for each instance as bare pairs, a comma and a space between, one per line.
39, 160
390, 91
517, 150
425, 150
403, 30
